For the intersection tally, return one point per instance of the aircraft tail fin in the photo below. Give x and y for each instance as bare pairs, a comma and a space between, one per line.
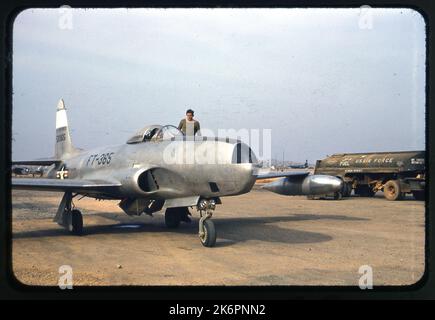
63, 139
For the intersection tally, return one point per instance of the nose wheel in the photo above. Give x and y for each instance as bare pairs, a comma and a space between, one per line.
207, 233
207, 230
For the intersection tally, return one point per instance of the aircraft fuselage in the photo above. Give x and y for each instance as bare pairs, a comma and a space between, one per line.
165, 169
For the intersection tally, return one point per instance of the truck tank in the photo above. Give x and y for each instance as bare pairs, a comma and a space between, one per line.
395, 173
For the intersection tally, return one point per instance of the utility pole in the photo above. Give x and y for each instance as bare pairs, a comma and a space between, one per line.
283, 159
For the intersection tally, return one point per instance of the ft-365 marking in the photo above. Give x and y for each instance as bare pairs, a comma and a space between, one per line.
100, 159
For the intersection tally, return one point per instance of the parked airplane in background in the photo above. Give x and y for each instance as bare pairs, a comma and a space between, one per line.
151, 173
299, 166
20, 171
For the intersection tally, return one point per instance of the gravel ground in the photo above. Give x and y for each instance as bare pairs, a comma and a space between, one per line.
263, 239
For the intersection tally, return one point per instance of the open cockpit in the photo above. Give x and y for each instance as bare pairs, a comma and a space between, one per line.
155, 133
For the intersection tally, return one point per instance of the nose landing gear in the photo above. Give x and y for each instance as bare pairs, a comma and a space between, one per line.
207, 230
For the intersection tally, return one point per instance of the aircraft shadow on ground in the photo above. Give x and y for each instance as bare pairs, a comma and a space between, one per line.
230, 230
23, 205
235, 230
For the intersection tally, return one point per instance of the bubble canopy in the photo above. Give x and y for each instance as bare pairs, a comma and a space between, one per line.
155, 133
168, 132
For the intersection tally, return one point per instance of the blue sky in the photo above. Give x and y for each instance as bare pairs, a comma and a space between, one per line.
319, 80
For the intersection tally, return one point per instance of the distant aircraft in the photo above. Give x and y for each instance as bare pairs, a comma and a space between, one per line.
17, 170
150, 173
299, 166
36, 171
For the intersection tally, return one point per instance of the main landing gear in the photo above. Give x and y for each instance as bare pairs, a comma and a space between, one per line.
173, 217
69, 217
207, 231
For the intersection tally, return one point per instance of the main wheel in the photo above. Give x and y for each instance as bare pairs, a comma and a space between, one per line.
392, 190
76, 222
208, 239
172, 218
184, 214
418, 195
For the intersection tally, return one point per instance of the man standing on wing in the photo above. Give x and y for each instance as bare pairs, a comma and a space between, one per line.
189, 126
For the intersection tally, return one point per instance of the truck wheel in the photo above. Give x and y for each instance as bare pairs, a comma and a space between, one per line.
418, 195
392, 190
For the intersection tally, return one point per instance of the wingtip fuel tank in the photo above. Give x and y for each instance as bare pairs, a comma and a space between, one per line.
310, 185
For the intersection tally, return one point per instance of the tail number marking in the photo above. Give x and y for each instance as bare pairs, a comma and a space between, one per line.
100, 159
60, 137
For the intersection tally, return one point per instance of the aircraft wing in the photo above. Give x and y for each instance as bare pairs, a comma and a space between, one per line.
271, 175
73, 185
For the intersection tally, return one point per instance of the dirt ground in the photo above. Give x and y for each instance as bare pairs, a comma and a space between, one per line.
263, 239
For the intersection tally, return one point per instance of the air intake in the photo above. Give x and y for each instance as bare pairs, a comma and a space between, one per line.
214, 187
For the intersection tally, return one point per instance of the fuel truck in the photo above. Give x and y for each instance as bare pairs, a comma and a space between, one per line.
394, 173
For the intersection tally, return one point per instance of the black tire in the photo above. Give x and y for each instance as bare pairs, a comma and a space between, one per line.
392, 190
418, 195
364, 191
172, 218
76, 225
338, 195
184, 214
347, 189
209, 238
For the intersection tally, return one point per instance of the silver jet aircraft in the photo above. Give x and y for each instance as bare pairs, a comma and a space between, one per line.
157, 169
